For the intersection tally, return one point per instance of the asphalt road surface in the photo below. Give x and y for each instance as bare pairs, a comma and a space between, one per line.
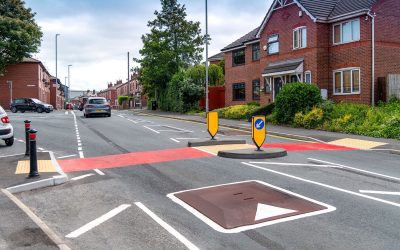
125, 173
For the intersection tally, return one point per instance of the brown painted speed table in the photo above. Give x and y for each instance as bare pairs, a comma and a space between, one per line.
236, 207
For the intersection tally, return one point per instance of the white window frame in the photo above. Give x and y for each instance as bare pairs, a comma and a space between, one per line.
351, 82
308, 72
268, 43
341, 31
299, 31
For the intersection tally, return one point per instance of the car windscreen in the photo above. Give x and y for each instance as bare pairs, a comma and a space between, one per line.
97, 101
36, 101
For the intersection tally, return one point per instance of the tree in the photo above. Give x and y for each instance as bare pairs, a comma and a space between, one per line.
172, 44
216, 75
19, 34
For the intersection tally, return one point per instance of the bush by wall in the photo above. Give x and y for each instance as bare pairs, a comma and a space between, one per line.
122, 99
237, 112
294, 98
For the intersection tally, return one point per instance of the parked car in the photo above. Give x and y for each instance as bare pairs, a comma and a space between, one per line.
97, 106
82, 104
30, 104
6, 129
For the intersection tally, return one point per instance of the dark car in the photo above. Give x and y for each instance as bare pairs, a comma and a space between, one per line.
30, 104
96, 106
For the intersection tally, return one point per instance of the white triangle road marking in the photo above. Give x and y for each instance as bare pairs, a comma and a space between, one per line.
267, 211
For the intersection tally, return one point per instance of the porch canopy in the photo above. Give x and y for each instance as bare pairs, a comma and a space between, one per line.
283, 68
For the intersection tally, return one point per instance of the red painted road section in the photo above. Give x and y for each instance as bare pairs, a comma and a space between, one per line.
131, 159
307, 146
138, 158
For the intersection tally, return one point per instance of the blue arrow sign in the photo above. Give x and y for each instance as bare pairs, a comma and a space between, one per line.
259, 124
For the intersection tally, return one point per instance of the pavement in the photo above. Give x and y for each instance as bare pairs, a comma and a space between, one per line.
134, 184
340, 139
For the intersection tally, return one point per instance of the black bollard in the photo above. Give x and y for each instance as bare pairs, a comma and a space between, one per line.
33, 157
27, 128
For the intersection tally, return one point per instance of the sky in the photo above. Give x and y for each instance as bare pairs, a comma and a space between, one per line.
95, 35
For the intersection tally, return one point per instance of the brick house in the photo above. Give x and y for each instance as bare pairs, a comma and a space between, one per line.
216, 59
28, 79
134, 89
57, 96
341, 46
110, 94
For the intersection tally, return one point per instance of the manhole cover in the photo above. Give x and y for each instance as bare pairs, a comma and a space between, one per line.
237, 207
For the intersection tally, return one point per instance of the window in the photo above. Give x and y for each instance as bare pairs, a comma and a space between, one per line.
273, 44
267, 86
97, 101
239, 92
300, 38
347, 81
239, 57
256, 89
307, 77
346, 32
256, 51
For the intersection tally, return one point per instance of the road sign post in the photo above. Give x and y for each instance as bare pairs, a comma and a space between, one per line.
212, 124
258, 131
27, 128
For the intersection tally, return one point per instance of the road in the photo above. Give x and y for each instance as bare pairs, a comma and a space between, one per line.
125, 170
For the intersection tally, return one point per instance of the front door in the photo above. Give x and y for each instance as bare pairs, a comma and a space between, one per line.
277, 86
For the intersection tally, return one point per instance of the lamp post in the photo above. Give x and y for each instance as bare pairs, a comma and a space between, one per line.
69, 80
57, 35
206, 39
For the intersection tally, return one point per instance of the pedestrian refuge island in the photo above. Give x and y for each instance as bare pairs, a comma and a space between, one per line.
238, 149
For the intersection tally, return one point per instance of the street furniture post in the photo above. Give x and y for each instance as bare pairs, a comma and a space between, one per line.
258, 131
27, 128
33, 171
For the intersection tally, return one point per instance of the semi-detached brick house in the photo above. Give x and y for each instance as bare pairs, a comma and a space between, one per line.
29, 79
343, 46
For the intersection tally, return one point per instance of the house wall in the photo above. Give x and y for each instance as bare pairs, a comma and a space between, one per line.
387, 38
22, 75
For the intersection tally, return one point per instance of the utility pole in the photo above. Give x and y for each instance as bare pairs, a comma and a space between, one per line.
10, 83
206, 38
69, 80
129, 86
57, 35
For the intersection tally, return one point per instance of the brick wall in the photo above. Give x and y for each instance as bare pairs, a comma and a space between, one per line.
29, 80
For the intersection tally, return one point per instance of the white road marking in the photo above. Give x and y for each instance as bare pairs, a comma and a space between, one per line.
79, 148
78, 138
21, 141
66, 156
97, 221
132, 121
188, 138
79, 144
81, 155
266, 211
98, 171
81, 177
175, 140
4, 156
295, 164
41, 149
155, 131
167, 227
379, 192
218, 228
324, 185
356, 169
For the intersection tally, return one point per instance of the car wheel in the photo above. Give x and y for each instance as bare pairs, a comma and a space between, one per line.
22, 111
47, 111
9, 142
14, 110
109, 115
39, 110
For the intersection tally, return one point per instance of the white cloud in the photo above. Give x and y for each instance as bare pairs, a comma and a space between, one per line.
96, 41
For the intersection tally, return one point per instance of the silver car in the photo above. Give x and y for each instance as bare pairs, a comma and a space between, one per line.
6, 129
96, 106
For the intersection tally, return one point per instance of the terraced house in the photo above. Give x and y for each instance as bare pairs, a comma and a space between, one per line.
345, 47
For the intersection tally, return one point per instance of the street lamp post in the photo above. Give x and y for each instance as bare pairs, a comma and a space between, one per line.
57, 35
206, 38
69, 80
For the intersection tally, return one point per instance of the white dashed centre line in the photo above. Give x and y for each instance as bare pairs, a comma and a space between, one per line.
78, 138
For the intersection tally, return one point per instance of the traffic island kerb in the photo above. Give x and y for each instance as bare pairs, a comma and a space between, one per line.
267, 153
214, 143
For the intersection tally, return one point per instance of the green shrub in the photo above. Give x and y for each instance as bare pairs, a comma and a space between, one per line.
314, 118
298, 119
122, 99
264, 110
237, 112
294, 98
253, 104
